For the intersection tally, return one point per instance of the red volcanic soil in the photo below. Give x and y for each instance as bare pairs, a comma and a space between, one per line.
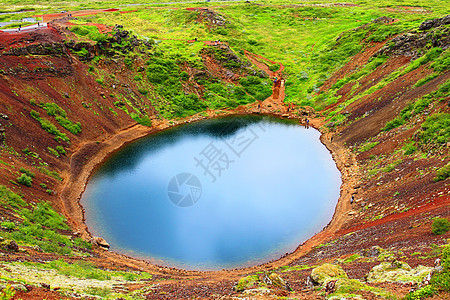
25, 38
127, 11
392, 209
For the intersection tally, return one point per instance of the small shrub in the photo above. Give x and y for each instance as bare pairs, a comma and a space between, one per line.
49, 191
440, 226
28, 172
26, 151
43, 185
25, 180
143, 91
442, 173
53, 151
79, 242
441, 280
409, 148
8, 225
7, 293
436, 129
422, 293
61, 150
394, 123
274, 67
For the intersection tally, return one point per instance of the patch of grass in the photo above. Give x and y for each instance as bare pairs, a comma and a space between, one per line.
409, 148
46, 171
91, 32
61, 150
440, 226
422, 293
8, 225
441, 280
367, 146
53, 151
435, 129
27, 172
442, 173
79, 242
49, 127
44, 214
38, 225
25, 180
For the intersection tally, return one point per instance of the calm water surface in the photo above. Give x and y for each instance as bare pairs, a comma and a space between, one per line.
217, 194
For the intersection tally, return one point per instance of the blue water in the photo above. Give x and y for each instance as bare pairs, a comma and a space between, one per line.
222, 193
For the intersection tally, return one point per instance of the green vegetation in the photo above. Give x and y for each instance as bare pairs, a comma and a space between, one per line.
422, 293
25, 180
7, 293
367, 146
441, 280
53, 151
90, 32
60, 115
440, 226
39, 226
435, 129
27, 172
442, 173
246, 282
61, 150
46, 171
49, 127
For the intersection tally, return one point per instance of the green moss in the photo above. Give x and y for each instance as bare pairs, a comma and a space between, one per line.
246, 282
325, 272
397, 272
345, 287
440, 226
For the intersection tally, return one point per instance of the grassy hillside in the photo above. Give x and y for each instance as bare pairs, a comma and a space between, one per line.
372, 77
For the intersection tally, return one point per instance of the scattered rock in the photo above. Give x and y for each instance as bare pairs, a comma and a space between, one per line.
4, 116
397, 271
276, 280
12, 246
45, 286
411, 43
100, 242
326, 271
19, 287
372, 252
434, 23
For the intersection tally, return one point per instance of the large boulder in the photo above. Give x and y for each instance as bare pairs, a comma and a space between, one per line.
325, 272
100, 242
397, 271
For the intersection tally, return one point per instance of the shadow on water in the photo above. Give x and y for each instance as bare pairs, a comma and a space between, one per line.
129, 156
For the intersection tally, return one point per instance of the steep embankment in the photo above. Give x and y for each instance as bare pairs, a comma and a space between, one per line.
67, 105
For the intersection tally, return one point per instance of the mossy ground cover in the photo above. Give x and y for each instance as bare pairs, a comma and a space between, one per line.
37, 226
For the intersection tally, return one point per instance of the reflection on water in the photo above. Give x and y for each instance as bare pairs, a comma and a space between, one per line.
216, 194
